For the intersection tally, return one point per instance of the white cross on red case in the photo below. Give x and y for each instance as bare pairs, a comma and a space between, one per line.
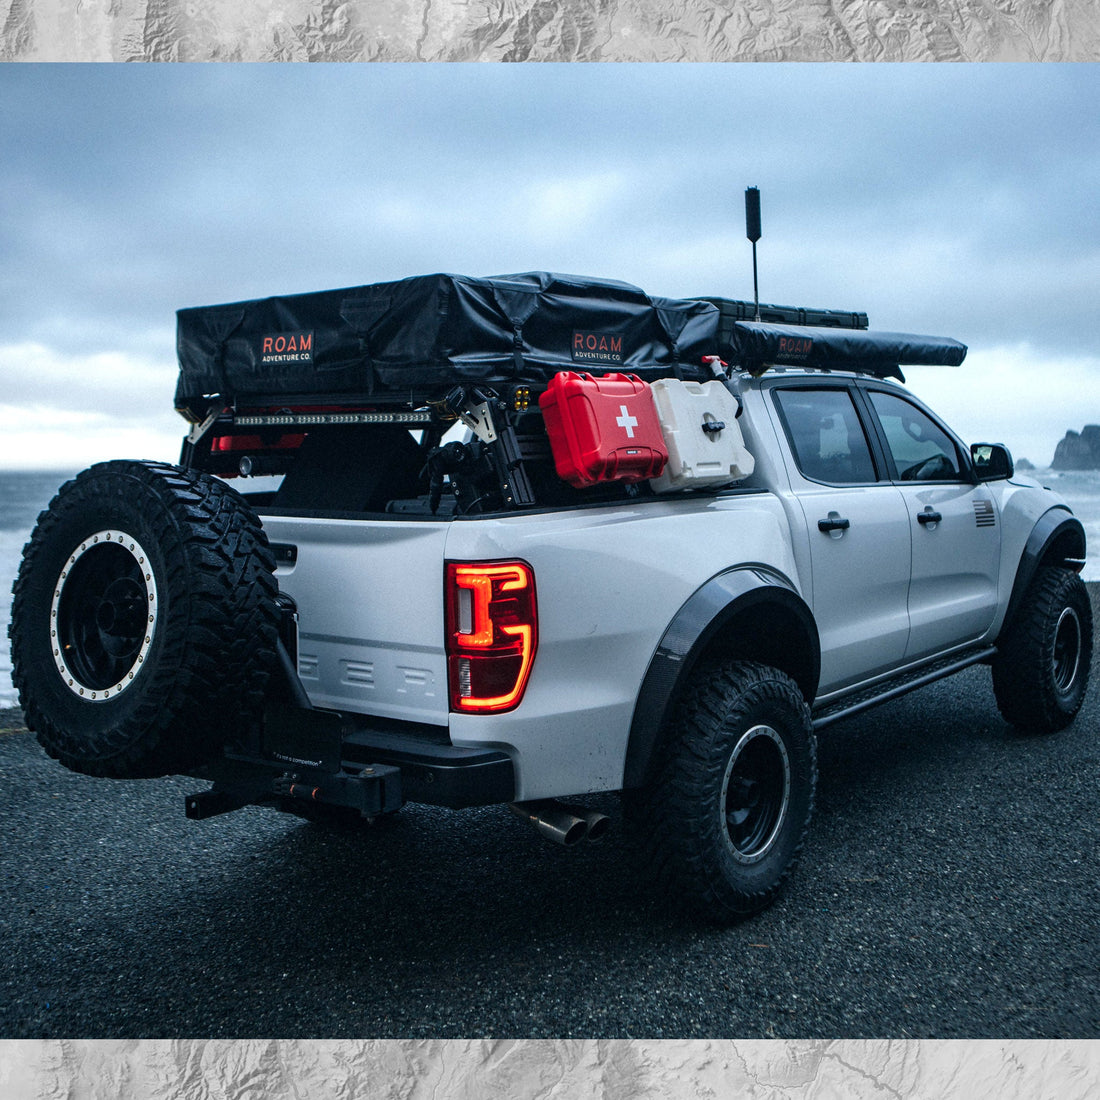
627, 421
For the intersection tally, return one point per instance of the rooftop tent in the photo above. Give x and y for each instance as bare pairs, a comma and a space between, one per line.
412, 339
756, 345
423, 333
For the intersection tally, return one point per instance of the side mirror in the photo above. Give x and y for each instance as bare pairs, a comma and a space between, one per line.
992, 461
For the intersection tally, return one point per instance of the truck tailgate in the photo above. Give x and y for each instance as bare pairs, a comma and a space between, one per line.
369, 595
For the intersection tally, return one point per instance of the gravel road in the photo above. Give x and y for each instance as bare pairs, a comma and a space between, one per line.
949, 889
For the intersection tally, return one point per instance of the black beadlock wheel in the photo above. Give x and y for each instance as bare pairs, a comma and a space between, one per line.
1041, 671
723, 819
143, 620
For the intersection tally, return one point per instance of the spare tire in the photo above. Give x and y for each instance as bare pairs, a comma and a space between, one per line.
143, 621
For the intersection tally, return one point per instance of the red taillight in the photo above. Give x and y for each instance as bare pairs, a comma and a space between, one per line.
492, 633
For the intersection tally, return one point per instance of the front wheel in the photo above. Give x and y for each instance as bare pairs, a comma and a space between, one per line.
725, 814
1041, 670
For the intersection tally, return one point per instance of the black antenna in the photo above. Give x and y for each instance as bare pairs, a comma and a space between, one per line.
752, 231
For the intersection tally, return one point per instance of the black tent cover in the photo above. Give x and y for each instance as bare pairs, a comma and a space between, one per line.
416, 336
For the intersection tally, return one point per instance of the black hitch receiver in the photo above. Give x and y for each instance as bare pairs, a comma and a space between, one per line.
372, 790
215, 801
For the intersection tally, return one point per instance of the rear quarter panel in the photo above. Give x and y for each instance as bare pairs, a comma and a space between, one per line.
608, 583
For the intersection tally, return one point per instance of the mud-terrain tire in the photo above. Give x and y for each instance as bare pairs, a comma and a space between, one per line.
1041, 670
724, 817
143, 621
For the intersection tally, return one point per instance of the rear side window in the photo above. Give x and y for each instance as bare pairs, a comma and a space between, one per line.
921, 449
826, 436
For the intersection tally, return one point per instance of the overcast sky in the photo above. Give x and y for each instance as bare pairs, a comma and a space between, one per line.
957, 200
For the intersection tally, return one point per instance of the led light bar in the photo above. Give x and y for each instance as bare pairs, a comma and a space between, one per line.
420, 417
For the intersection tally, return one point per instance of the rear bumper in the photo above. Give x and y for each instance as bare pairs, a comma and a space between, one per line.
439, 774
372, 765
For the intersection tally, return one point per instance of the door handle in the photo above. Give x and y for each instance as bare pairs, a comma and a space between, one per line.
928, 516
833, 523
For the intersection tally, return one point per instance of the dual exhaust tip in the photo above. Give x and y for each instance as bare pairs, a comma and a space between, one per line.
561, 823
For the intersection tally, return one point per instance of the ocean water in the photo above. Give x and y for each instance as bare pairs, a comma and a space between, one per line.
24, 494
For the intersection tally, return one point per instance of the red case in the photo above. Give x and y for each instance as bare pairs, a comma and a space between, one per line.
602, 429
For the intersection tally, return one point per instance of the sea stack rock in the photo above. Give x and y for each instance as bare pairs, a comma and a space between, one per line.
1079, 451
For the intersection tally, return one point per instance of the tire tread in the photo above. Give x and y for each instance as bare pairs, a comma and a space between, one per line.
211, 676
1022, 681
672, 813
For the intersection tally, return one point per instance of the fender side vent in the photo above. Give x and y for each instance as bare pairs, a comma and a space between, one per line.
984, 515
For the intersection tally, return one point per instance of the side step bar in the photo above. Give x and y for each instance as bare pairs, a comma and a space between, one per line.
896, 688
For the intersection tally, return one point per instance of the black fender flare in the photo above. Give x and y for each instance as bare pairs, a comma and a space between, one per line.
698, 623
1056, 533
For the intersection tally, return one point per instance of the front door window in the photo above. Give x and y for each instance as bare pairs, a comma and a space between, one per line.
955, 527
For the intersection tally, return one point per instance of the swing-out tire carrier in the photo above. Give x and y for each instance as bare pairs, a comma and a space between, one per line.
373, 769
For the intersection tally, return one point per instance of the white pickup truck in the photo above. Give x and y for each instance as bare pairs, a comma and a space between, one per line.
422, 594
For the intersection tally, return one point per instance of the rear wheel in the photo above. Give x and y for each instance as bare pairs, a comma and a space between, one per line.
143, 620
1041, 670
725, 814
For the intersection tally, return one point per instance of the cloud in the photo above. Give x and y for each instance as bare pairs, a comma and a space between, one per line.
569, 205
127, 385
44, 439
1013, 394
957, 200
66, 411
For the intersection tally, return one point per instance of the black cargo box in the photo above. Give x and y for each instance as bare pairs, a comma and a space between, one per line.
732, 310
413, 337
